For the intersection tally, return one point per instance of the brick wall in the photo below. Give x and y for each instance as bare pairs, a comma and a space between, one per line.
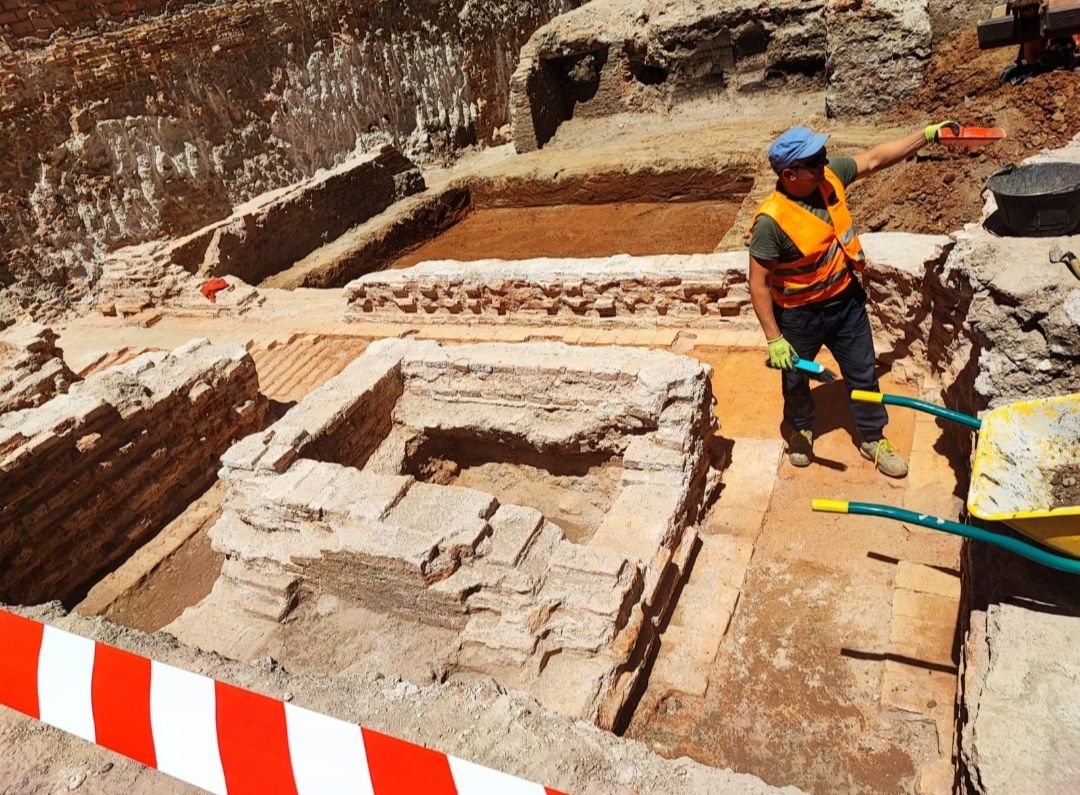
91, 475
156, 126
29, 17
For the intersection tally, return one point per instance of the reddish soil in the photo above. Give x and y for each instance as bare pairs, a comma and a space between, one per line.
580, 230
941, 190
182, 579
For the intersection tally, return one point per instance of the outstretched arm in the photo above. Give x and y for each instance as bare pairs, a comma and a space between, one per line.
892, 152
889, 153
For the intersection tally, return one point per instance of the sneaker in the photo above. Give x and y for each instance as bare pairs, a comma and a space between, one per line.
800, 448
885, 458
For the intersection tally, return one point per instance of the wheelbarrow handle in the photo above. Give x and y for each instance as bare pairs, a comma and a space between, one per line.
1018, 547
920, 405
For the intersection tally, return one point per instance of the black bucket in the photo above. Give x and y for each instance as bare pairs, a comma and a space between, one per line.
1039, 199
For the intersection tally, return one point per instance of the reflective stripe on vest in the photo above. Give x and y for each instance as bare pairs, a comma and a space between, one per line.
827, 248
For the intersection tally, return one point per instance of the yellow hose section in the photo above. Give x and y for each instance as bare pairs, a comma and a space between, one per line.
867, 397
830, 506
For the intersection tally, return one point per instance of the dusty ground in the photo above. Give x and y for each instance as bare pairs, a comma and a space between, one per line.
181, 580
575, 503
797, 690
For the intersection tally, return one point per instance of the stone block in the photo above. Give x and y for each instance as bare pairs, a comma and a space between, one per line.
926, 579
514, 529
441, 511
929, 607
680, 671
926, 641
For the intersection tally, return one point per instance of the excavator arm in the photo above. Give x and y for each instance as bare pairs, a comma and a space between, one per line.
1047, 32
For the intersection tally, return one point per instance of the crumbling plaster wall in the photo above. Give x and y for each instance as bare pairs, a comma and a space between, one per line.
91, 474
610, 56
876, 53
122, 132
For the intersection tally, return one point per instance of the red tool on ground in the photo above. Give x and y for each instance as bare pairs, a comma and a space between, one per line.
211, 288
960, 137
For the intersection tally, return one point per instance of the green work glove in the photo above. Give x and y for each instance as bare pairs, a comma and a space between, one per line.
781, 355
933, 130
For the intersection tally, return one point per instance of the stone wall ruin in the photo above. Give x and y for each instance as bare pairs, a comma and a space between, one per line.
330, 503
93, 473
32, 368
654, 290
259, 238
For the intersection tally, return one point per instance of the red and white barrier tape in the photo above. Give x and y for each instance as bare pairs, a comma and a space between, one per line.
216, 736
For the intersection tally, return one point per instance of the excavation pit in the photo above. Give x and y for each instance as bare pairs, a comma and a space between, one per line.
524, 217
579, 230
340, 557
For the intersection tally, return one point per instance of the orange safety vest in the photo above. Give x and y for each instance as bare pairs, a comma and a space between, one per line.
823, 271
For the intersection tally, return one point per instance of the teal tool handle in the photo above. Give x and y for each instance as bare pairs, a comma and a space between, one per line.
920, 405
810, 366
1039, 554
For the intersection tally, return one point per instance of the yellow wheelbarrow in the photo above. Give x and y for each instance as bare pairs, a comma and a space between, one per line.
1026, 475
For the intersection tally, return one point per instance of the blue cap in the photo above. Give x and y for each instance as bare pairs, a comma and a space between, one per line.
794, 144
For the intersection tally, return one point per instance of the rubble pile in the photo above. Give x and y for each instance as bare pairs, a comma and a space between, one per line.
32, 368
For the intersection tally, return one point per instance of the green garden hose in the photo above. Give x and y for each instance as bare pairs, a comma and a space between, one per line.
921, 405
1032, 552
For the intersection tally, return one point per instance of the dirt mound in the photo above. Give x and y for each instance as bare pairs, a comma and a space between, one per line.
942, 190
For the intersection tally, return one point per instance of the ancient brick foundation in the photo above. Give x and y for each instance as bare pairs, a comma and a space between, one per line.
652, 290
324, 504
261, 237
91, 474
32, 18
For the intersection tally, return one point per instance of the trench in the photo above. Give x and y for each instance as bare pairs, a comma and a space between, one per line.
680, 211
569, 230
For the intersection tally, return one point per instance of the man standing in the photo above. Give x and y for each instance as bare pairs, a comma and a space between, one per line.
804, 257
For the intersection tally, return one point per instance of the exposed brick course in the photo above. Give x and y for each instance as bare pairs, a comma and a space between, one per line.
91, 474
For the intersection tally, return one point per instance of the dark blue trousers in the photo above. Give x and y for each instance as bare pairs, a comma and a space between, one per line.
841, 325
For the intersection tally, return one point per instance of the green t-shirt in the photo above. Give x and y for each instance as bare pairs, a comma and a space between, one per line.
768, 243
